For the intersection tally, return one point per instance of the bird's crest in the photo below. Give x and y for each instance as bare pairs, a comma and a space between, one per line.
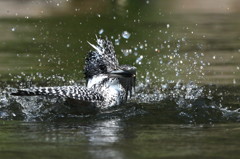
102, 60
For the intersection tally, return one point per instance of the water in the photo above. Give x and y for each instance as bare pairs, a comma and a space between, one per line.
126, 35
186, 103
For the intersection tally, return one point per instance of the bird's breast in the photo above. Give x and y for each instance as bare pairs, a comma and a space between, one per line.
110, 88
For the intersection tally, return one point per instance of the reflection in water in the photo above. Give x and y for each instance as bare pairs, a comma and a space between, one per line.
68, 140
223, 6
30, 8
39, 8
96, 140
104, 134
106, 153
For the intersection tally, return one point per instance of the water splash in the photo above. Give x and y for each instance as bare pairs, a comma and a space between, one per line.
188, 103
101, 31
191, 102
126, 35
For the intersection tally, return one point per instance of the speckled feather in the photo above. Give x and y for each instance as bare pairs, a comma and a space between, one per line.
102, 60
72, 92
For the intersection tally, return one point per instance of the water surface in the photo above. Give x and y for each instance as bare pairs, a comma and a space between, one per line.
186, 103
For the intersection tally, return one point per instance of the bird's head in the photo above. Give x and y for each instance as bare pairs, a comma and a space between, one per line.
103, 60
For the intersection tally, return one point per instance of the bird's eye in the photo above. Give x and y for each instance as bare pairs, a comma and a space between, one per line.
102, 67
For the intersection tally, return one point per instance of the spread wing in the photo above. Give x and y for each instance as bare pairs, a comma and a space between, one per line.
72, 92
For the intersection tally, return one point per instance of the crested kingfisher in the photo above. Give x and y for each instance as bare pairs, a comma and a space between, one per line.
108, 83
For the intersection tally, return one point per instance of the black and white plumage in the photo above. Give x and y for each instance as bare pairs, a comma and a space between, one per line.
108, 83
73, 92
101, 61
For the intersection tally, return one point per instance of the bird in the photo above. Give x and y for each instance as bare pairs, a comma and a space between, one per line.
107, 83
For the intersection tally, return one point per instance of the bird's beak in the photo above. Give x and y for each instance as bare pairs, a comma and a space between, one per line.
128, 73
124, 71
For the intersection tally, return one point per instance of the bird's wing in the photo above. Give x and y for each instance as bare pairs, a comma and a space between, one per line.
106, 50
73, 92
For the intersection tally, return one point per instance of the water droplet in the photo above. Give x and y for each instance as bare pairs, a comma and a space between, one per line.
117, 42
139, 59
126, 35
234, 81
164, 86
100, 31
127, 52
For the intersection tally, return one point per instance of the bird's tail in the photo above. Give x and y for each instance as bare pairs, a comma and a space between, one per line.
73, 92
26, 92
